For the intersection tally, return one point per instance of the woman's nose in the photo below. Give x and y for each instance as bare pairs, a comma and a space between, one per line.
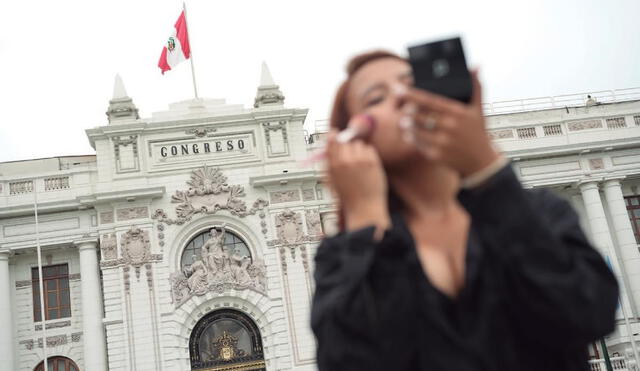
398, 93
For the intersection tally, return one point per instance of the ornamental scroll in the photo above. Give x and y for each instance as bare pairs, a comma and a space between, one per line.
209, 192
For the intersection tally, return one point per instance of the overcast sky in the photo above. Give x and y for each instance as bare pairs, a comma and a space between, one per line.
58, 59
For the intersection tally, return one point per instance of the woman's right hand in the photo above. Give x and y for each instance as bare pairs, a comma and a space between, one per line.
358, 180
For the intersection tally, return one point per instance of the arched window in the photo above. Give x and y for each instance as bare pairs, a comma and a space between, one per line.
226, 339
232, 242
58, 364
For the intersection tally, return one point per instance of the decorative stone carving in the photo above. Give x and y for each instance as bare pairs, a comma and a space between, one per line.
263, 224
268, 96
76, 337
23, 283
305, 259
111, 263
122, 108
596, 164
109, 246
132, 213
329, 223
106, 217
281, 125
289, 227
53, 341
160, 234
314, 225
136, 248
28, 344
501, 134
118, 141
320, 192
201, 132
208, 192
284, 196
217, 269
54, 325
308, 195
582, 125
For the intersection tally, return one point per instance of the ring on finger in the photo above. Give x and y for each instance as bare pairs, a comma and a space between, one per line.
429, 123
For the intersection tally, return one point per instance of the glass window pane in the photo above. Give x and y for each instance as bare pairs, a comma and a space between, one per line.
50, 363
61, 365
635, 201
52, 314
51, 285
73, 368
636, 213
63, 283
52, 299
34, 273
64, 269
228, 238
50, 271
36, 316
64, 297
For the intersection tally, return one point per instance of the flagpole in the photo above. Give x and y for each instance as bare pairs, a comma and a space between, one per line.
193, 73
43, 315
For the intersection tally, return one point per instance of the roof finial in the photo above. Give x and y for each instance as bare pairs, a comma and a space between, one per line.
269, 93
265, 77
119, 91
121, 108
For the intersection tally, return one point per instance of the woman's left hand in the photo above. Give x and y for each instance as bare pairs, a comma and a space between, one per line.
449, 131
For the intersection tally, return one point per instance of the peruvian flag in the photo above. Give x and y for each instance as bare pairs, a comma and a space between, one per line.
177, 48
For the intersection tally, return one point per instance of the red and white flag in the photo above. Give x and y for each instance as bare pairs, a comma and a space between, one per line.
177, 48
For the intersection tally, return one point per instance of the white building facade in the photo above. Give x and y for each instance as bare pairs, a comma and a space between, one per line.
187, 241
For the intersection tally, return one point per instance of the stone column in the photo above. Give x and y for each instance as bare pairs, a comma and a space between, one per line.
601, 236
6, 320
621, 225
93, 335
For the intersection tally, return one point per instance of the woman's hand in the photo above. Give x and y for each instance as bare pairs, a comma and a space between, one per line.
357, 178
449, 131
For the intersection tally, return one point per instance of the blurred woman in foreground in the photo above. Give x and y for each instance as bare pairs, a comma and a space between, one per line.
444, 261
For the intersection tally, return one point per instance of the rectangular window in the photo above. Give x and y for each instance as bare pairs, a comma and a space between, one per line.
633, 207
636, 119
57, 302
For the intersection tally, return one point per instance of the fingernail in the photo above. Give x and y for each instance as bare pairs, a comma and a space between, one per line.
406, 122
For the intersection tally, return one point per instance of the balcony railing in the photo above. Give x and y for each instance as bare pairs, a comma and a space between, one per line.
617, 363
21, 187
561, 101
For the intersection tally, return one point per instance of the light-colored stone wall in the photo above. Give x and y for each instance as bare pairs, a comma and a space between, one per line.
120, 190
65, 334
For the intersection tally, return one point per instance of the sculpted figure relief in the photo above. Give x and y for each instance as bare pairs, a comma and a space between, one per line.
217, 268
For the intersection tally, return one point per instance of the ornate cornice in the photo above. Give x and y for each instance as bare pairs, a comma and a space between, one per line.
277, 179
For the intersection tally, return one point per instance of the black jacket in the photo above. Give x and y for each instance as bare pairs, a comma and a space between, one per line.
535, 295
